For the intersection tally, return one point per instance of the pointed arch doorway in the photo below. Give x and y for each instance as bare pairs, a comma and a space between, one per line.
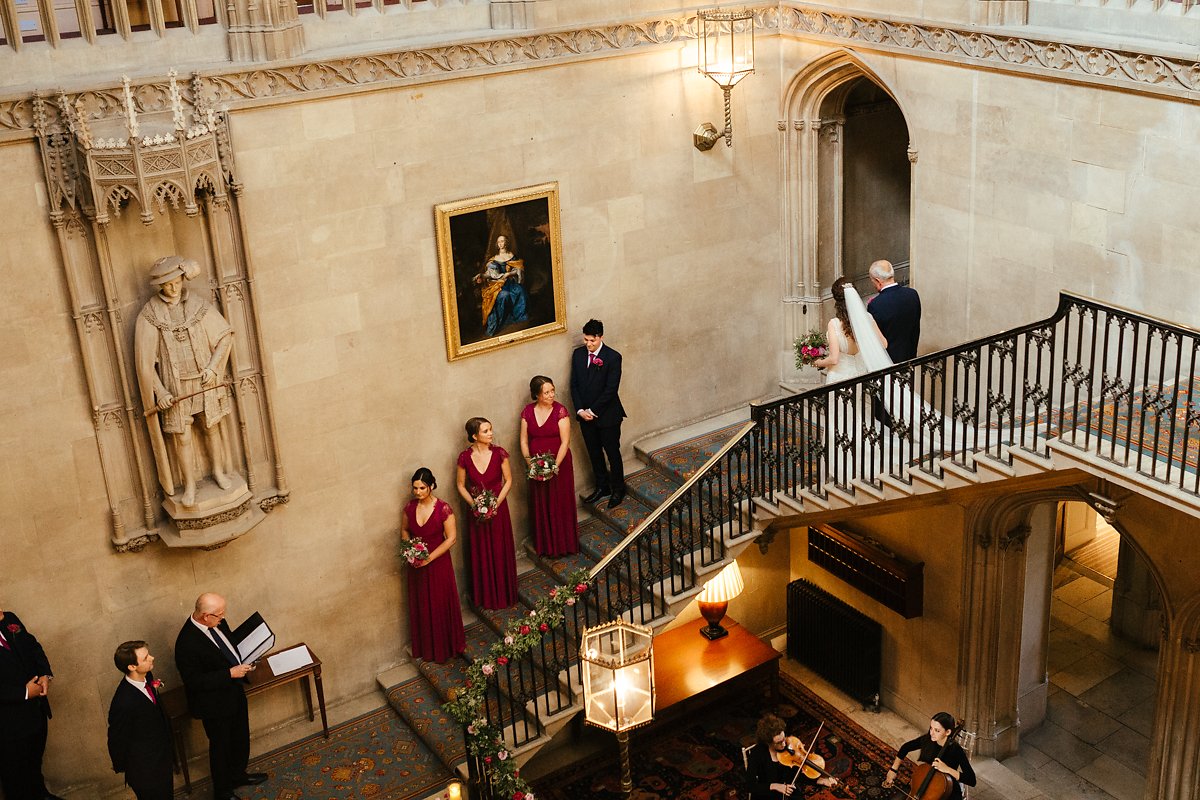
848, 161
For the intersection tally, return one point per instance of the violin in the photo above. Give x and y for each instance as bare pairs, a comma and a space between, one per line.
811, 765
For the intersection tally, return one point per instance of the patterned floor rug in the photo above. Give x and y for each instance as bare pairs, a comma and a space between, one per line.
699, 757
372, 756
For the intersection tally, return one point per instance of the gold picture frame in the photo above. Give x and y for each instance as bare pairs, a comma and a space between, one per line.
500, 267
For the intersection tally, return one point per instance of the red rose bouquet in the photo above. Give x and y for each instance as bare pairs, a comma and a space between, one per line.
413, 550
810, 347
484, 506
542, 467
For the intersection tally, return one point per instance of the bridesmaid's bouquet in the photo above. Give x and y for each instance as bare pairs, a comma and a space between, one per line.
542, 467
413, 550
484, 506
810, 347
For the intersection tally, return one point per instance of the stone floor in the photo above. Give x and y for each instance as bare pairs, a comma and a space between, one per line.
1094, 743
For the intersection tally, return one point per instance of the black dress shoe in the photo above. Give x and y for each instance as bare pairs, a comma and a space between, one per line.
596, 495
617, 498
252, 779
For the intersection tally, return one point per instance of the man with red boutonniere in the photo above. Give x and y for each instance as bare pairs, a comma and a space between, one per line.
24, 686
139, 735
595, 379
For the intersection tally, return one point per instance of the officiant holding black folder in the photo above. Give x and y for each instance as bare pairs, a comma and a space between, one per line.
213, 672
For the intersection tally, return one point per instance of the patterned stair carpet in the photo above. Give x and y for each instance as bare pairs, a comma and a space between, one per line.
373, 756
699, 756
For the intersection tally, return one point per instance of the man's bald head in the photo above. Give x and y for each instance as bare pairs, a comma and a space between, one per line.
210, 609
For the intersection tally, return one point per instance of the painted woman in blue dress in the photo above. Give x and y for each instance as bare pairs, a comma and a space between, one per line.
504, 298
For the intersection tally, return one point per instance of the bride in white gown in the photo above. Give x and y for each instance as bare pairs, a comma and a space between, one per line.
847, 359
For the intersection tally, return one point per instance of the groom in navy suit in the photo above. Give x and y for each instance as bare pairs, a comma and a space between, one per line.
139, 735
595, 379
897, 311
24, 684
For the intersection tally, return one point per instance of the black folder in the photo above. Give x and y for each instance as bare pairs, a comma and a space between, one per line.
253, 638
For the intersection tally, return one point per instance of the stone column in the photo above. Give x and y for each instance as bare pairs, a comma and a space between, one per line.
1174, 769
264, 30
993, 608
1137, 602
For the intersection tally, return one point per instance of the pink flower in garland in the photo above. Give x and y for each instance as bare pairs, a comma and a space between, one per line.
580, 588
570, 601
488, 669
554, 592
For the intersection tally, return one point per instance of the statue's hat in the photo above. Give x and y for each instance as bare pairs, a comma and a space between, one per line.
168, 268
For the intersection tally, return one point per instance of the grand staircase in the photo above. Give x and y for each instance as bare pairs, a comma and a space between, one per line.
418, 691
1093, 388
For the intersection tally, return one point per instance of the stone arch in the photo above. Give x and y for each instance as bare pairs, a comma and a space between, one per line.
996, 529
811, 108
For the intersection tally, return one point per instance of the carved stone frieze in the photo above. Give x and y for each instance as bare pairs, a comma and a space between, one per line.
237, 86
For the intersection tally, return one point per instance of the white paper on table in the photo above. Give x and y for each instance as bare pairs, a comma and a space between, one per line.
289, 660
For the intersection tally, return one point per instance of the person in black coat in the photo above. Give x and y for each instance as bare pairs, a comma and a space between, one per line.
213, 678
139, 735
24, 709
897, 311
595, 381
937, 749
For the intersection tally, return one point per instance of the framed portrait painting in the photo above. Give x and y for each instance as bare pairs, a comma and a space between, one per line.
500, 264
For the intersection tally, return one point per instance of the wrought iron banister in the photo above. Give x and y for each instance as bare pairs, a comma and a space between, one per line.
1089, 368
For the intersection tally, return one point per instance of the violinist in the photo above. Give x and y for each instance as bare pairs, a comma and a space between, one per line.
952, 761
771, 777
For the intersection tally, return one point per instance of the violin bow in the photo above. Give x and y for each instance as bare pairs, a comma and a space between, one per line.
804, 758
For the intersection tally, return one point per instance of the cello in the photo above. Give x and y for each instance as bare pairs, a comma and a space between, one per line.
928, 783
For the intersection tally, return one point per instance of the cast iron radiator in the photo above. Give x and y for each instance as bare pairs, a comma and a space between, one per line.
839, 643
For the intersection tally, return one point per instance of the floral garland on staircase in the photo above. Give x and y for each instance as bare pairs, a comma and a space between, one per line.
485, 741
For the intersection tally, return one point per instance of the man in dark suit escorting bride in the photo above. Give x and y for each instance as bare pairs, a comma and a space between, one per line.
897, 311
595, 379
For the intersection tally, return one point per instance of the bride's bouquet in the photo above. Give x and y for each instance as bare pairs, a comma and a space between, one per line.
484, 506
810, 347
542, 467
413, 550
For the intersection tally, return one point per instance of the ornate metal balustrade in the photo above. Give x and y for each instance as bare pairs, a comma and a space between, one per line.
1119, 385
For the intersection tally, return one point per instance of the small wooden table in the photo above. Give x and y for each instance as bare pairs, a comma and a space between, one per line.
260, 680
687, 666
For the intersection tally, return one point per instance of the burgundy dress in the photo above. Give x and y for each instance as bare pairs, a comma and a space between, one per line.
493, 555
434, 614
552, 502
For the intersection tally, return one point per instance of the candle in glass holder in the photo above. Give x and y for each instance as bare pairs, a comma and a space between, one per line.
454, 791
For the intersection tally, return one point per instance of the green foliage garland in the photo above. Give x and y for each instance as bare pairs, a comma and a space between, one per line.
466, 705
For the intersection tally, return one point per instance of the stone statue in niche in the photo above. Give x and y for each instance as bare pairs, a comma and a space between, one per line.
181, 347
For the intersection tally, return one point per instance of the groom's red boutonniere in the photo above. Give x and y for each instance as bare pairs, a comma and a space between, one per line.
156, 683
14, 627
597, 362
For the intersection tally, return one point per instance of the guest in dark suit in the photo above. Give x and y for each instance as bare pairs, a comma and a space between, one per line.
139, 735
24, 685
897, 311
213, 678
595, 379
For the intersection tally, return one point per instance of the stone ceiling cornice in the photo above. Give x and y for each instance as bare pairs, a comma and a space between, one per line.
998, 49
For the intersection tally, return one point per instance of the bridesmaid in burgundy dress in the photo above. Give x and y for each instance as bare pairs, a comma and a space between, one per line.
434, 615
546, 428
484, 466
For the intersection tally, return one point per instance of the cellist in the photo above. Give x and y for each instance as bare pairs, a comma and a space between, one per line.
770, 778
952, 761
